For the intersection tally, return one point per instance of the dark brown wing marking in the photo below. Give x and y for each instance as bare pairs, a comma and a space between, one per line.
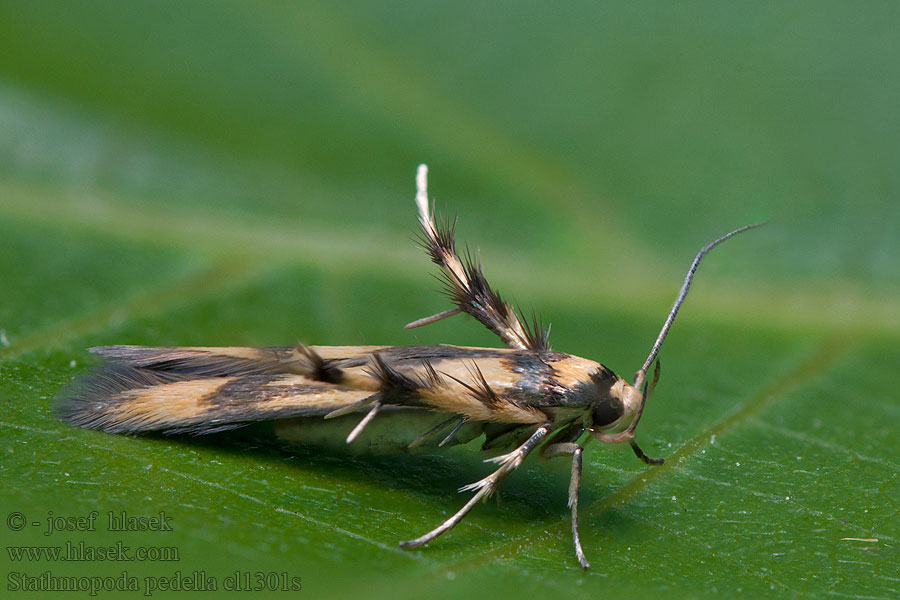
318, 368
465, 283
393, 385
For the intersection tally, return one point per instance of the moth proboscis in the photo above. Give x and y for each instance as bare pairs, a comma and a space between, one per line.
383, 398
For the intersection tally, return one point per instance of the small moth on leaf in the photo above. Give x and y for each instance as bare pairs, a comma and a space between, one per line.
390, 398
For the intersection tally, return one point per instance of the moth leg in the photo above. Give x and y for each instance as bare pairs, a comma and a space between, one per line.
485, 487
433, 431
653, 462
453, 431
365, 421
432, 318
575, 451
465, 283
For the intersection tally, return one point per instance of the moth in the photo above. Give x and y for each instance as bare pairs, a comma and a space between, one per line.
391, 398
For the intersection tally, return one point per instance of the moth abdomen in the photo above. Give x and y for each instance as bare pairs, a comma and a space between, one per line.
396, 430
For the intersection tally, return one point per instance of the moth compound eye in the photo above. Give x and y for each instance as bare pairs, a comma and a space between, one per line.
606, 412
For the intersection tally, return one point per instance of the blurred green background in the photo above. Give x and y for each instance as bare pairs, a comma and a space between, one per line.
193, 173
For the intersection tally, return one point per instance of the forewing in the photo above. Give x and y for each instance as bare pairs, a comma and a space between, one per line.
119, 398
203, 390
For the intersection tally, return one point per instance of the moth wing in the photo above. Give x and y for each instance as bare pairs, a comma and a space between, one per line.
200, 361
122, 398
322, 363
207, 389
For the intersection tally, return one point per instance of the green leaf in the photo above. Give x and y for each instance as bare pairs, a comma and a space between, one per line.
180, 173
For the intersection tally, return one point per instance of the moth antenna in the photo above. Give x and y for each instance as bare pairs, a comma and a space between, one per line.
628, 434
641, 373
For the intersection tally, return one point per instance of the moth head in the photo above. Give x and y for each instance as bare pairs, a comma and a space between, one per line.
615, 415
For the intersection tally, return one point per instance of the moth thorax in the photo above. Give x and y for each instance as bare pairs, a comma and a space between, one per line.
616, 411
